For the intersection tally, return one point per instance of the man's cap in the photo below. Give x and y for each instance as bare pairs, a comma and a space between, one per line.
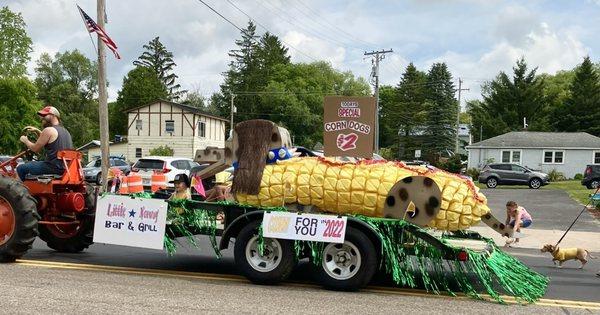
49, 110
181, 178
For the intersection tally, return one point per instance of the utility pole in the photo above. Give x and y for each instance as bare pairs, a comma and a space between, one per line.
102, 97
377, 57
460, 89
232, 111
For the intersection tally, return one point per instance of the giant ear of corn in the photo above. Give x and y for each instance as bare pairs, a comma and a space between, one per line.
362, 188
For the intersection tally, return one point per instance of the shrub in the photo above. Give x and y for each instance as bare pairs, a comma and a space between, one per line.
556, 176
387, 153
473, 172
453, 164
163, 150
578, 176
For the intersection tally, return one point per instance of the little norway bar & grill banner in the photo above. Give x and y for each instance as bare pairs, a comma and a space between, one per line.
349, 126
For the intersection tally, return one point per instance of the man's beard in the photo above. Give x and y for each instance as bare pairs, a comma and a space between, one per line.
46, 123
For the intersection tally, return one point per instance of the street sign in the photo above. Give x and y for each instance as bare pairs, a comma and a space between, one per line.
349, 126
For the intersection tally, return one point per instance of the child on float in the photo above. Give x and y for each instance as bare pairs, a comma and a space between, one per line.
182, 189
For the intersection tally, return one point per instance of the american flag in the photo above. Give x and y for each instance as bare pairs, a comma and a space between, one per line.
93, 27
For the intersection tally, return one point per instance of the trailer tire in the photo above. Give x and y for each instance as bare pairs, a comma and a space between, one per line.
73, 240
349, 266
276, 263
18, 219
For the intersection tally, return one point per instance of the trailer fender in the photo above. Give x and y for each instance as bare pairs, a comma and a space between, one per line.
369, 232
234, 228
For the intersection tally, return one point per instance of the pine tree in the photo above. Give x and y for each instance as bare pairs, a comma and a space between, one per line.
506, 101
411, 113
160, 60
440, 123
581, 109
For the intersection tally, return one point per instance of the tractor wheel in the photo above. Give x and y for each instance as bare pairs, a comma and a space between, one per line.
18, 219
73, 238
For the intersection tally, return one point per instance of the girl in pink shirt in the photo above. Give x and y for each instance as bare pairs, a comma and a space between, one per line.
516, 217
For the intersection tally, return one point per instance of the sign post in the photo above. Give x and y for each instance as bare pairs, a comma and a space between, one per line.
348, 128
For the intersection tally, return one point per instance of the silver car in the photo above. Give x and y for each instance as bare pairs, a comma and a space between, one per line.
511, 174
93, 170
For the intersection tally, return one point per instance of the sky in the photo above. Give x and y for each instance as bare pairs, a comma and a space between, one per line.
476, 38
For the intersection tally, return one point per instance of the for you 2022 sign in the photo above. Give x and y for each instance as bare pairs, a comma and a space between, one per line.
122, 220
349, 126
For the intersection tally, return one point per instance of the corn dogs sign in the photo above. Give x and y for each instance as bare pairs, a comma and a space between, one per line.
348, 128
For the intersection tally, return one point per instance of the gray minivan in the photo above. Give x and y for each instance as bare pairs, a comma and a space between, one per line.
511, 174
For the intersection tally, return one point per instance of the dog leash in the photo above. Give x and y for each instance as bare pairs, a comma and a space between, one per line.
580, 213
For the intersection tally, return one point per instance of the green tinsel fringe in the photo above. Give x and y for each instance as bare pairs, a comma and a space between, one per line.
410, 260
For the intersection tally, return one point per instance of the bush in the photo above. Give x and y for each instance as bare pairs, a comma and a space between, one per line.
387, 153
453, 164
556, 176
578, 176
474, 173
163, 150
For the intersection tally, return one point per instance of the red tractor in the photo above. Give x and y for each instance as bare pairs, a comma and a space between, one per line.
58, 208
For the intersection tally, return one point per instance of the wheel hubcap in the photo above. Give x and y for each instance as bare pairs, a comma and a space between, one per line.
7, 221
271, 255
492, 182
535, 184
341, 261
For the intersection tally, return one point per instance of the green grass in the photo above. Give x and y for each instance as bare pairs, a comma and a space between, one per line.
574, 188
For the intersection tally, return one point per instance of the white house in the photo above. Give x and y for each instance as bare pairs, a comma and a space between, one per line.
181, 127
565, 152
92, 149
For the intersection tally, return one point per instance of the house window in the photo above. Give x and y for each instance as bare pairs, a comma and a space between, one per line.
138, 124
201, 129
596, 157
511, 156
169, 126
138, 152
554, 157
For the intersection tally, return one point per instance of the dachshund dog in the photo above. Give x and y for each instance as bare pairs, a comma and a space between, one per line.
561, 255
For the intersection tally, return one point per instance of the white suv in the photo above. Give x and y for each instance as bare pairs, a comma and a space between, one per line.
170, 166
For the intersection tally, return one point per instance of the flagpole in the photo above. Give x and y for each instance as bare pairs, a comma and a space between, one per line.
102, 97
88, 31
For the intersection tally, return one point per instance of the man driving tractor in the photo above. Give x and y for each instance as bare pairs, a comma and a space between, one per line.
54, 137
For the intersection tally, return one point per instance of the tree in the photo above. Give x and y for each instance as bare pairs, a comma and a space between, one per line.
18, 107
160, 60
403, 111
15, 44
196, 99
507, 101
581, 108
442, 107
69, 82
162, 150
140, 86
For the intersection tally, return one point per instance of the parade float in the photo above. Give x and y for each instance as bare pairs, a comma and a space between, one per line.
350, 219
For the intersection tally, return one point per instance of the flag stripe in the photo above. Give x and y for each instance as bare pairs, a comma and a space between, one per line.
93, 27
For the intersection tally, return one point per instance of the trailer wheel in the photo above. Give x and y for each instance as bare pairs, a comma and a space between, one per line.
276, 263
18, 219
348, 266
73, 238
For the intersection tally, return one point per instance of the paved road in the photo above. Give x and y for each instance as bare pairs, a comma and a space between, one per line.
35, 289
566, 284
550, 209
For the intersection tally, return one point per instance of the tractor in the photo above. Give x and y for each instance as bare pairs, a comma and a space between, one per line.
57, 208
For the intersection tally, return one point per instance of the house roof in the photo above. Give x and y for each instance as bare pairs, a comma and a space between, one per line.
534, 139
96, 143
188, 108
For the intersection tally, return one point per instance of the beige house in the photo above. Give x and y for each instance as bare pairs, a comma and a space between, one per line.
181, 127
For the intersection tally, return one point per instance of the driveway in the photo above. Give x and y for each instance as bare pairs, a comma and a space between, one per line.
550, 209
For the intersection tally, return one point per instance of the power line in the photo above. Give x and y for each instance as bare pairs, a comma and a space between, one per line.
264, 27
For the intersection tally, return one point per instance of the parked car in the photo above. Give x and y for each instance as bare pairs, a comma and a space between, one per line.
511, 174
170, 166
92, 172
591, 176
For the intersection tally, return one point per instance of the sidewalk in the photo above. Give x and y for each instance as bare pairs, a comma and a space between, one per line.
537, 238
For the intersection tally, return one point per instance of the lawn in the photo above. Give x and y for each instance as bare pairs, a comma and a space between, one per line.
573, 187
